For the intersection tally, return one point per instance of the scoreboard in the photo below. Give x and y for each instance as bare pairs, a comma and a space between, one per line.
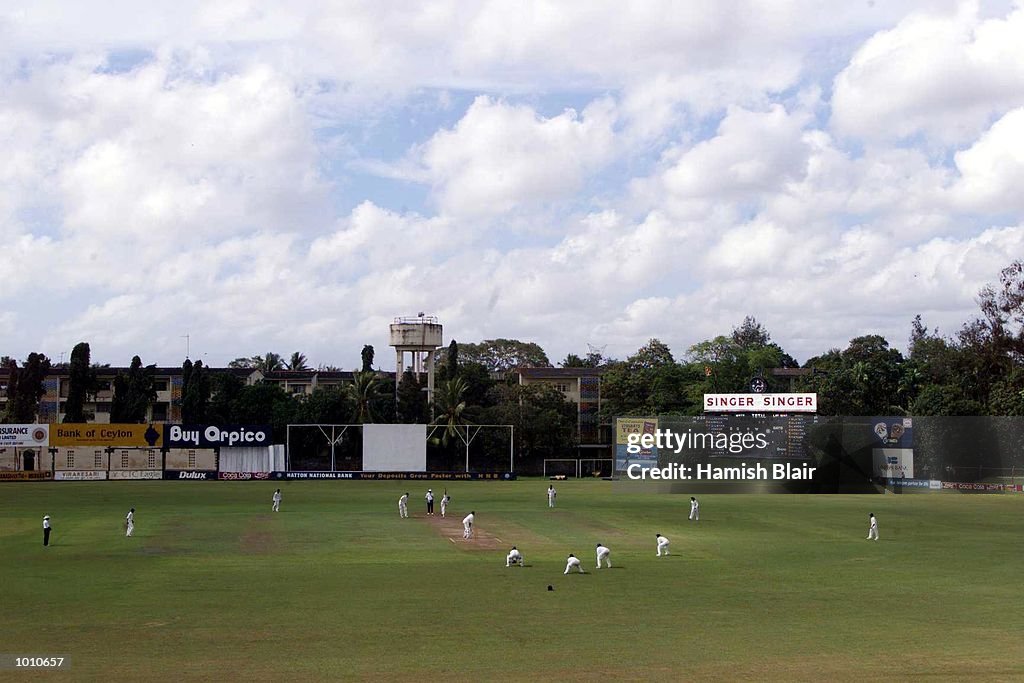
786, 435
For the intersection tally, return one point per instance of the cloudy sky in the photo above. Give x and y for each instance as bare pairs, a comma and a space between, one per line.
291, 179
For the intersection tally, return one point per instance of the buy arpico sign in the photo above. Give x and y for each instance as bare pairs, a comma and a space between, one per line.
760, 403
213, 436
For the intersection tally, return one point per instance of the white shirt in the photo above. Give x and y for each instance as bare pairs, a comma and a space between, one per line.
468, 521
444, 501
514, 555
551, 493
662, 540
130, 518
572, 562
46, 523
429, 497
874, 522
401, 501
694, 505
277, 496
602, 551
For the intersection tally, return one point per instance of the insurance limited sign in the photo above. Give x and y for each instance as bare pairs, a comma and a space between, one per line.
24, 435
760, 403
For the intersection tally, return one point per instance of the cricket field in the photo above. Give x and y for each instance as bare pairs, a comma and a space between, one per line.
213, 586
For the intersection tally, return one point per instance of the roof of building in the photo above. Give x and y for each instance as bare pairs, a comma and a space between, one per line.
558, 373
791, 372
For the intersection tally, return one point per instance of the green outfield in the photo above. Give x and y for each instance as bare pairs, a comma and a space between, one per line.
213, 586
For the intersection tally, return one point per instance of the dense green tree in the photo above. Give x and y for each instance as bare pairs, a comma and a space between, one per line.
25, 388
297, 362
729, 363
367, 357
1002, 308
938, 400
134, 391
501, 355
478, 383
751, 334
1007, 395
649, 382
265, 403
545, 423
226, 388
196, 388
81, 384
411, 405
863, 379
326, 405
451, 361
654, 354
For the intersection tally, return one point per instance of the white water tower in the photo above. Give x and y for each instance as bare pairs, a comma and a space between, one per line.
420, 335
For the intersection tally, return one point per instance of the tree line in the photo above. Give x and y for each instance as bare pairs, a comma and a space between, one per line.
979, 370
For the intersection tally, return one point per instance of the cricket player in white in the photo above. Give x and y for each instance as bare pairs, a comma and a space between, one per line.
514, 557
662, 545
570, 562
403, 505
551, 495
277, 501
467, 525
694, 509
129, 522
873, 528
605, 554
444, 503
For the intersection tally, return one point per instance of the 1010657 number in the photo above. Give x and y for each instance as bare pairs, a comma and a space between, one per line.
38, 662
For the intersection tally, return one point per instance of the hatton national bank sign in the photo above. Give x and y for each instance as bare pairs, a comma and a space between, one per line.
760, 403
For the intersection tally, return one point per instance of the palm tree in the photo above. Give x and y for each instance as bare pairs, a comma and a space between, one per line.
268, 363
298, 361
365, 391
450, 404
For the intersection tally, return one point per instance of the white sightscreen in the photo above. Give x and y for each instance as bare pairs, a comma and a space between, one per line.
394, 448
252, 458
